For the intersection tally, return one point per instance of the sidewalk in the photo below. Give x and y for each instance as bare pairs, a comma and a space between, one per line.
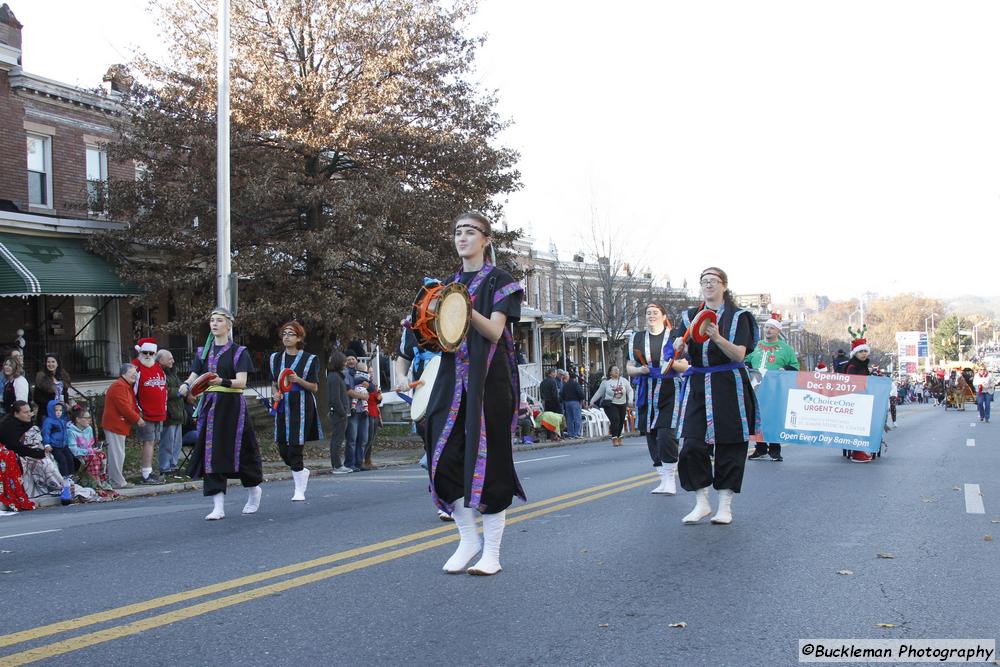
276, 470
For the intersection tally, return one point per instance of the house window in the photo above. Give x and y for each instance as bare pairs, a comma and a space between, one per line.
97, 181
561, 301
39, 170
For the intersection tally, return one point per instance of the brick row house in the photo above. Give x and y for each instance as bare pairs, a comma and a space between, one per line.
54, 169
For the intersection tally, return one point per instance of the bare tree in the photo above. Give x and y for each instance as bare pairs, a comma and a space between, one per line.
610, 291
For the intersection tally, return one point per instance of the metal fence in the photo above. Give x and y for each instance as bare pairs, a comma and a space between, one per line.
80, 358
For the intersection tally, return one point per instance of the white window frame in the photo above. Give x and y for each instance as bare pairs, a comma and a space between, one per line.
103, 166
47, 151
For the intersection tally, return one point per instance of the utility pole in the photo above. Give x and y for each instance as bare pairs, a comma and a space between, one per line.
223, 255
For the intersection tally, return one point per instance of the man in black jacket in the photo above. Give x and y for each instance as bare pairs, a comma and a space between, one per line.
573, 398
548, 391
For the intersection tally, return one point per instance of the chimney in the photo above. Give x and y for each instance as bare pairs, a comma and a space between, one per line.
117, 80
10, 38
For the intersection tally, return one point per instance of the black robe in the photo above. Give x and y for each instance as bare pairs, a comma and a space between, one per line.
296, 420
464, 460
227, 444
733, 416
656, 406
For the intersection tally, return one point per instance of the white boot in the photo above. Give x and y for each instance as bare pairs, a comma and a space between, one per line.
253, 500
668, 483
218, 509
492, 534
301, 479
725, 514
702, 508
469, 545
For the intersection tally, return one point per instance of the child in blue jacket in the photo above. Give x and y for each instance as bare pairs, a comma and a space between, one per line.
54, 436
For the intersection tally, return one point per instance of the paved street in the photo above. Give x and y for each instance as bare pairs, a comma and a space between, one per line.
595, 568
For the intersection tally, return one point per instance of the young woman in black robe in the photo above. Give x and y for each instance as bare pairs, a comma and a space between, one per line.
655, 403
227, 445
473, 407
296, 419
718, 405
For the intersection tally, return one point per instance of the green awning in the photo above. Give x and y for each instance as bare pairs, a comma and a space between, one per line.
34, 265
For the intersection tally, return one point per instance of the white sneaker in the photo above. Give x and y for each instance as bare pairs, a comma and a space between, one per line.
342, 470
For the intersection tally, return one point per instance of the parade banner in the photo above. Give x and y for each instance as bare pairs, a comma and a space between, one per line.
824, 409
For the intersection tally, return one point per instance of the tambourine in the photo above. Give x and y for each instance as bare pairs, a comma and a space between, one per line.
441, 316
285, 383
699, 325
202, 383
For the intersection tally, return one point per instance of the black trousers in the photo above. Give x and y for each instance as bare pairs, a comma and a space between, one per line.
615, 413
216, 482
65, 460
292, 456
338, 431
695, 467
662, 446
772, 448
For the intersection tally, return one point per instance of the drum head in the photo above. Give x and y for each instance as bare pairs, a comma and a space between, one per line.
201, 384
422, 394
700, 324
285, 380
454, 313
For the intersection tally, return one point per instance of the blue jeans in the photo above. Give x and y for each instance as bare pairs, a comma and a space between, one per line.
984, 401
574, 418
357, 438
170, 447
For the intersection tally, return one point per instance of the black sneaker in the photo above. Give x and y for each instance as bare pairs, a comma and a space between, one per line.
776, 457
757, 456
151, 480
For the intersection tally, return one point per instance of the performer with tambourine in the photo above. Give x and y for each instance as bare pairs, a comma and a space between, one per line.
473, 403
655, 396
294, 383
718, 406
227, 446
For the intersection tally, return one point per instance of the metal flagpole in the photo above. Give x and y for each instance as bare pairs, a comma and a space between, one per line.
223, 255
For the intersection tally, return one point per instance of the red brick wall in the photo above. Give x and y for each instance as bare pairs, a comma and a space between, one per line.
13, 151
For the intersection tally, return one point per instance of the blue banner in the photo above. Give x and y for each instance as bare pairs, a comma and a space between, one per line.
824, 409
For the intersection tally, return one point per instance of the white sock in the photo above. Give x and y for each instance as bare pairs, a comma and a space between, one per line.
146, 472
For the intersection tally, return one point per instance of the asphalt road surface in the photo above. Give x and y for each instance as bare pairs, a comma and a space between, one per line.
595, 568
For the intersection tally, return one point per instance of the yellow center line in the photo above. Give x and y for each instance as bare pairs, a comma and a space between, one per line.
174, 598
160, 620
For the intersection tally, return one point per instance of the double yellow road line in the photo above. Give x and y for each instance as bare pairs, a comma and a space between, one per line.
440, 536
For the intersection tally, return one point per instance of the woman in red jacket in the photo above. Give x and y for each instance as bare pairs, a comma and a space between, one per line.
120, 414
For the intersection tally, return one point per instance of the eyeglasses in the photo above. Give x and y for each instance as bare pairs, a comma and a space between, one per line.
711, 282
288, 334
147, 354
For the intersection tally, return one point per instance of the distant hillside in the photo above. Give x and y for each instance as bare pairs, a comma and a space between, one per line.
974, 305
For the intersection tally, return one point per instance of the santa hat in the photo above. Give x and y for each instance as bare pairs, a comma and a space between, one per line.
821, 367
859, 343
146, 345
774, 321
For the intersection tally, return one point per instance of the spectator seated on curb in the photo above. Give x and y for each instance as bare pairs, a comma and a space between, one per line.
554, 423
54, 438
13, 427
41, 473
93, 462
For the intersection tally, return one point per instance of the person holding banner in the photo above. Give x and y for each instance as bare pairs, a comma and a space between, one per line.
227, 446
858, 365
655, 396
984, 385
718, 405
473, 407
295, 378
771, 354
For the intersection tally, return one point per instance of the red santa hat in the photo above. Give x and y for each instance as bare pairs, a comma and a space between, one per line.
859, 342
146, 345
821, 367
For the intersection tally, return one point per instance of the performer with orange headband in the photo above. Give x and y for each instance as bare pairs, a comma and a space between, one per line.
473, 406
718, 405
227, 446
655, 398
295, 378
